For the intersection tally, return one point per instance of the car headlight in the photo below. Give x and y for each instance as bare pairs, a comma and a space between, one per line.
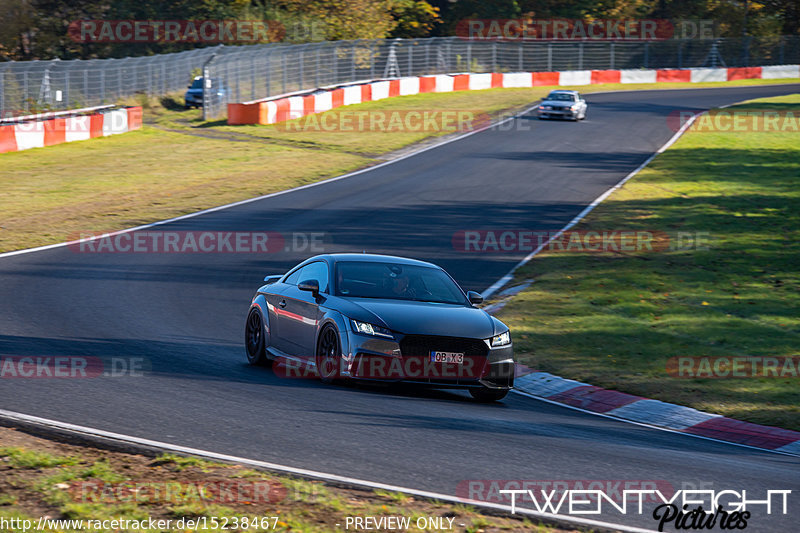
501, 340
545, 107
365, 328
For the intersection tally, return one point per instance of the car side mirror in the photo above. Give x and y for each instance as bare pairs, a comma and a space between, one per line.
310, 285
474, 297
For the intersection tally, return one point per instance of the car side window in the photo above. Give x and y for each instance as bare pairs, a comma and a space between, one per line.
317, 270
294, 277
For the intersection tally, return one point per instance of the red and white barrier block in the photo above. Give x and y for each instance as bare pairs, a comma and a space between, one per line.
654, 412
286, 108
38, 133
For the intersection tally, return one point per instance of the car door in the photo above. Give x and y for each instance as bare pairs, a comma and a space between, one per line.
299, 310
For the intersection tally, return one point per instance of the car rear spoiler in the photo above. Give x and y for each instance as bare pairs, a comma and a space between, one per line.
272, 279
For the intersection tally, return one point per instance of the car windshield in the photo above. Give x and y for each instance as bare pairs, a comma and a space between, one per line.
396, 282
197, 84
561, 96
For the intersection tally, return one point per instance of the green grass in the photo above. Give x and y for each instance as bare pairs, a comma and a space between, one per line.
309, 506
21, 458
179, 164
614, 319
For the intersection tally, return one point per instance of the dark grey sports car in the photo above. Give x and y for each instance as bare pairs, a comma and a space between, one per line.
380, 318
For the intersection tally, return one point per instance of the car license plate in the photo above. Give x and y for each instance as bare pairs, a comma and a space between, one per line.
447, 357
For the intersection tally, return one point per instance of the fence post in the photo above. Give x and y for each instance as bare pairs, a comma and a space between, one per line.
580, 56
494, 56
103, 85
316, 70
521, 62
780, 51
646, 53
353, 61
469, 57
252, 76
26, 100
550, 57
372, 57
269, 69
283, 72
680, 54
409, 70
613, 63
2, 94
426, 70
207, 85
66, 87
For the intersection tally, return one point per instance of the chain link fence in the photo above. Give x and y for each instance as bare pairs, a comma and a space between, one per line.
244, 73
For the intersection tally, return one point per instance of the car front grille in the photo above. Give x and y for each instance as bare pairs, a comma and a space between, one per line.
422, 345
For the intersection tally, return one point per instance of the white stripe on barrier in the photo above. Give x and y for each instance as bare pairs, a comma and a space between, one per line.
29, 135
637, 76
775, 72
295, 107
409, 86
380, 90
323, 102
709, 74
352, 95
444, 83
78, 128
272, 110
517, 79
115, 122
480, 81
575, 77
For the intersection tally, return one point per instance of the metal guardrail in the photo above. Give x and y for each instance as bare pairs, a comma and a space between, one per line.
259, 71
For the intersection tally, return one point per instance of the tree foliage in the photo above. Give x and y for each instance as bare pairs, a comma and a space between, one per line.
37, 29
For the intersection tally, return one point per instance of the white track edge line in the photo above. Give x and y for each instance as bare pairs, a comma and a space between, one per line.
589, 208
527, 394
12, 415
499, 284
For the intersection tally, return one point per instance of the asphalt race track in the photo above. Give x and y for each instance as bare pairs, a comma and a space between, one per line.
184, 313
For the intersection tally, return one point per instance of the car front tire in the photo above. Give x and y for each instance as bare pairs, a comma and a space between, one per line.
329, 355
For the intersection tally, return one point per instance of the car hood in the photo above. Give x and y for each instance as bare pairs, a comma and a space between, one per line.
427, 318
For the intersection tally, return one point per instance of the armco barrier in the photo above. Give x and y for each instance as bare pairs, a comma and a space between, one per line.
56, 130
286, 108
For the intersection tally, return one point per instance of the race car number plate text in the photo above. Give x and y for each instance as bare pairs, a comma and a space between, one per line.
447, 357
